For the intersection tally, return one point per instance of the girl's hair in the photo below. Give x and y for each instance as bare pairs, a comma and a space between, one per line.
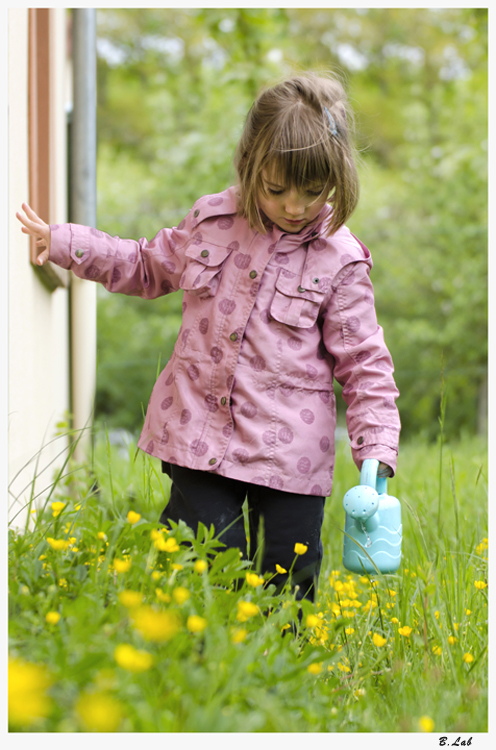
299, 130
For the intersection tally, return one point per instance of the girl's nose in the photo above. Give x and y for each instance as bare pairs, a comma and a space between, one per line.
295, 204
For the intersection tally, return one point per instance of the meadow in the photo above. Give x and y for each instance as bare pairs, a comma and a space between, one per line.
118, 626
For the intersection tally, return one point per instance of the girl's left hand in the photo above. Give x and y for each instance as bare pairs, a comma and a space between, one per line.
384, 470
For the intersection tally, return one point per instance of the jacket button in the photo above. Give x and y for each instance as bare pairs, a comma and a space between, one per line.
315, 281
223, 400
359, 440
79, 253
253, 274
301, 289
196, 213
204, 253
234, 336
212, 461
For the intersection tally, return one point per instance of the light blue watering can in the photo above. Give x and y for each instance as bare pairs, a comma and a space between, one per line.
373, 519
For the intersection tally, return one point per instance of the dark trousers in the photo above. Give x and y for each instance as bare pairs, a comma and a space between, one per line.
277, 521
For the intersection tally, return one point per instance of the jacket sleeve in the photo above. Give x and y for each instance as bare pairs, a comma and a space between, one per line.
137, 268
363, 366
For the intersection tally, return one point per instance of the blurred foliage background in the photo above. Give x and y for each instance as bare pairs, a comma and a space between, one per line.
174, 87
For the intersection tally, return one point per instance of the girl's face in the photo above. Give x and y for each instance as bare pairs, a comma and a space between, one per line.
290, 209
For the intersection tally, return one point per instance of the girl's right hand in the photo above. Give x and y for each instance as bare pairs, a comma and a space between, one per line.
36, 227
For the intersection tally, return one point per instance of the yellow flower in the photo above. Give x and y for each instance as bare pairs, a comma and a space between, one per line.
280, 569
238, 635
246, 610
155, 626
132, 659
57, 544
312, 621
467, 658
63, 583
166, 545
343, 667
405, 630
52, 618
180, 595
300, 549
349, 631
436, 614
99, 712
196, 624
437, 650
161, 596
28, 701
455, 625
200, 566
156, 575
468, 612
102, 536
452, 640
130, 599
339, 586
480, 585
426, 724
378, 640
253, 580
315, 668
122, 566
176, 566
394, 620
57, 508
133, 517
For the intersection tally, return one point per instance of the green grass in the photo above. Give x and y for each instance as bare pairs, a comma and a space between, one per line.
245, 675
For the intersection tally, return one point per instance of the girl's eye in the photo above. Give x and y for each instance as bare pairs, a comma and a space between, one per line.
275, 192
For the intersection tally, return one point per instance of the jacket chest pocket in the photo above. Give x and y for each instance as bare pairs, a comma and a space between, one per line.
203, 270
292, 304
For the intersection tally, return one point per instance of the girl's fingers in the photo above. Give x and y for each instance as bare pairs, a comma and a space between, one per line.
32, 215
32, 227
42, 258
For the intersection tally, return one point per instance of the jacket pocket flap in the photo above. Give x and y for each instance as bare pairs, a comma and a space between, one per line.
290, 285
208, 254
292, 304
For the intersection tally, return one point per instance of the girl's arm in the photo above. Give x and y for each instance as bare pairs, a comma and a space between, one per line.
138, 268
363, 366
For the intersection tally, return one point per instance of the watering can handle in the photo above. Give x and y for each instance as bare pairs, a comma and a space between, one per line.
368, 476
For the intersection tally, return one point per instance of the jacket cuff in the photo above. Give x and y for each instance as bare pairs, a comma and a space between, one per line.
60, 243
382, 453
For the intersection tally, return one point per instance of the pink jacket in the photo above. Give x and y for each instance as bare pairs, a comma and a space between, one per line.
268, 321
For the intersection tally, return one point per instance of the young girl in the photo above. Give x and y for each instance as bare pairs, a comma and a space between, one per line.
277, 302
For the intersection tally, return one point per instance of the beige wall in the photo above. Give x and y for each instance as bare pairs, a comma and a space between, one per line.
38, 346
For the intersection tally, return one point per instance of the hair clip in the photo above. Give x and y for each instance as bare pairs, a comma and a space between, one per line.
332, 122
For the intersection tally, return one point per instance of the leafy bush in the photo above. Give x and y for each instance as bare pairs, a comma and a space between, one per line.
117, 625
